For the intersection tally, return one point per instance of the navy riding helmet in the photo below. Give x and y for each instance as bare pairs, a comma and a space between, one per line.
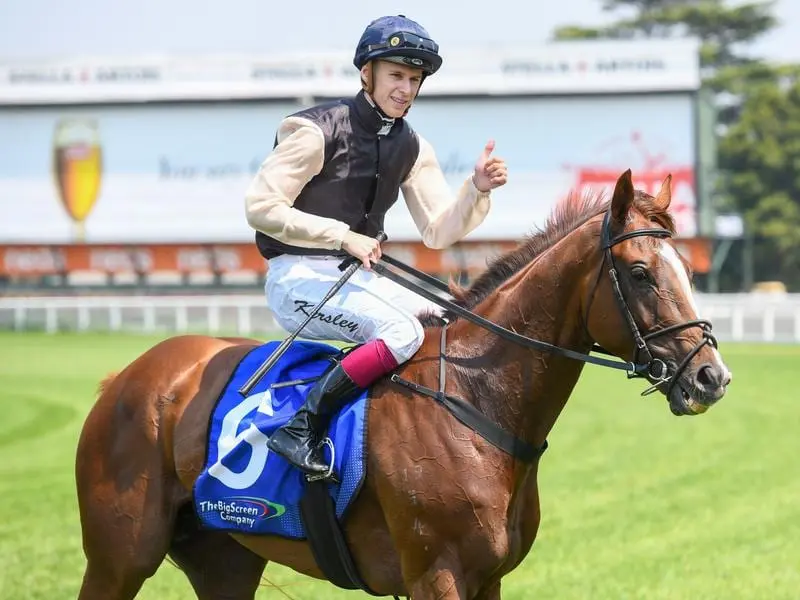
398, 39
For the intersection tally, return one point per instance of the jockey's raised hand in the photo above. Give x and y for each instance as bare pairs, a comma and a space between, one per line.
490, 171
364, 248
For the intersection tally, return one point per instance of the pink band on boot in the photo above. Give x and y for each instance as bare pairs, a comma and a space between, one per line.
367, 363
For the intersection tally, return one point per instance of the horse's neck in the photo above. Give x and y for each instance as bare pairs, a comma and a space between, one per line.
524, 390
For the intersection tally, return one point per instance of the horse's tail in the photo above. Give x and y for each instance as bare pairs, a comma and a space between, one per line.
106, 382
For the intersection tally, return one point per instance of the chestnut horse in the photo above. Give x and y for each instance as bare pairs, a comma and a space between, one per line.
443, 513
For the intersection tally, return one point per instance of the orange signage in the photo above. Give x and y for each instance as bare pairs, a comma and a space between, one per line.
468, 256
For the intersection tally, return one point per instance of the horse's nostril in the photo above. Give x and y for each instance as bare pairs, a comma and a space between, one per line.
710, 377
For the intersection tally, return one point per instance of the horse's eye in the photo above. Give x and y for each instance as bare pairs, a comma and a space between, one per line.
639, 273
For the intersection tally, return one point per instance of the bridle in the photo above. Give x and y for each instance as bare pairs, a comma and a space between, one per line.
644, 364
657, 372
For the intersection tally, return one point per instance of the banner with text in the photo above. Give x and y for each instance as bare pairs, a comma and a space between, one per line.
178, 173
564, 67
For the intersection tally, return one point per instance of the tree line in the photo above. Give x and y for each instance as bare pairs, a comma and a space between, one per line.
758, 121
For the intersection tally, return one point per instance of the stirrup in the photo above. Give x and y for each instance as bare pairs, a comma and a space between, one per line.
310, 478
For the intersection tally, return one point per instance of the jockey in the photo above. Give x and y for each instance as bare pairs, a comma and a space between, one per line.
334, 171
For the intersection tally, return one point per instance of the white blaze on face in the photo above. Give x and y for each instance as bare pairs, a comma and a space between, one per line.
669, 254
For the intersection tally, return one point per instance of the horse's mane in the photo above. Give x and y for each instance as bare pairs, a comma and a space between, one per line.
567, 215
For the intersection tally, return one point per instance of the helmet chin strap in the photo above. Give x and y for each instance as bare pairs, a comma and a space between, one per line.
388, 121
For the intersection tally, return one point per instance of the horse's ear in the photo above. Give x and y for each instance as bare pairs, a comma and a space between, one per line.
623, 197
664, 195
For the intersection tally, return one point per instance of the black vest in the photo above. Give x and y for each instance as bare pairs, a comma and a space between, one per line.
362, 171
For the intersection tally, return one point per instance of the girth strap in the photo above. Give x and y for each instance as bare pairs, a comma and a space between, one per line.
327, 541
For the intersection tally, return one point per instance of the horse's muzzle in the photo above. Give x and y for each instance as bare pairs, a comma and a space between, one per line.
695, 392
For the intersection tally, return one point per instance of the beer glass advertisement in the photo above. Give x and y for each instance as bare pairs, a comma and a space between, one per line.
167, 173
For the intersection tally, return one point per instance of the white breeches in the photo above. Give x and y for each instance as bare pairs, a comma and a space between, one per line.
367, 307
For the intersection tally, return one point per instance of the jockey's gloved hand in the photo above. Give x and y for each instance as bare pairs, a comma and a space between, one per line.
364, 248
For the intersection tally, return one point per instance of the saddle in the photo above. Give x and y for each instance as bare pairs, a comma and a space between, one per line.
244, 488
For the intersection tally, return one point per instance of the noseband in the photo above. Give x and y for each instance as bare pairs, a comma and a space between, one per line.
657, 371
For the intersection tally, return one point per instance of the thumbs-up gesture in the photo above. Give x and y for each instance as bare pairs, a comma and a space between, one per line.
490, 171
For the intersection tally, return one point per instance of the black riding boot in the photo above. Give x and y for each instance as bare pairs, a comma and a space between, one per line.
298, 441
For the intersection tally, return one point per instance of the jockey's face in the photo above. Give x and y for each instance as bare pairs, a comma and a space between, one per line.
394, 86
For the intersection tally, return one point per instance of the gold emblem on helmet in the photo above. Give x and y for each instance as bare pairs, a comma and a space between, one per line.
394, 41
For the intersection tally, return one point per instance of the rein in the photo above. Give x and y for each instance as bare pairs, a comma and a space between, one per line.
655, 370
512, 336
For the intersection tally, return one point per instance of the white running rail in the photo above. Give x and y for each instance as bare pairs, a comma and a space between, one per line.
736, 317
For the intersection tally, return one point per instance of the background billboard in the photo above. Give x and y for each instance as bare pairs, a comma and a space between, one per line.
155, 173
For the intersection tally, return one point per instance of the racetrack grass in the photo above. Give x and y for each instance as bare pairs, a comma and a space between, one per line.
636, 503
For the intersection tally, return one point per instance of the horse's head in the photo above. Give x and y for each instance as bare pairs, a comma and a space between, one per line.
640, 307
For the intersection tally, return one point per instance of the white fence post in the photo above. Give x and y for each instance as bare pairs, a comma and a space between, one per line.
114, 317
213, 316
737, 324
149, 317
84, 320
51, 319
181, 318
769, 324
244, 326
19, 317
797, 325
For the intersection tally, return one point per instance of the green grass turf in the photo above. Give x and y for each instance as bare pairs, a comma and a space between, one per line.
636, 503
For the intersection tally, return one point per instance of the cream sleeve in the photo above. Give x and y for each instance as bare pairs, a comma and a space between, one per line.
269, 200
441, 218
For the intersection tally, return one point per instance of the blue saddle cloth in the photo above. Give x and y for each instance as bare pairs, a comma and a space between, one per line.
243, 487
